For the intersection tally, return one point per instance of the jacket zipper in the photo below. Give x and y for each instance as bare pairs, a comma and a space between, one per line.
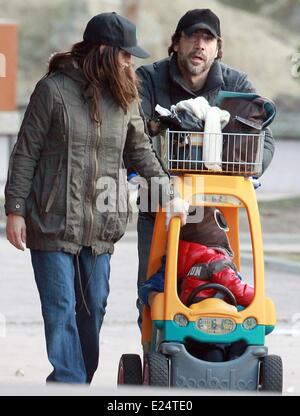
93, 186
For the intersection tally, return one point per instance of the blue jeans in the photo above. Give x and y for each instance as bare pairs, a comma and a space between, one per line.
73, 306
145, 226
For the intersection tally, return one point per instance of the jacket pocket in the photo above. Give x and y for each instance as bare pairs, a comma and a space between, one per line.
57, 132
123, 213
53, 198
111, 226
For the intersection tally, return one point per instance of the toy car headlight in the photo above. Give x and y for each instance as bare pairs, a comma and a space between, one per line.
249, 323
215, 325
181, 320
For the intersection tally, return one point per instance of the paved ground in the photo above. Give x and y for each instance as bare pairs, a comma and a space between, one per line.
281, 178
23, 362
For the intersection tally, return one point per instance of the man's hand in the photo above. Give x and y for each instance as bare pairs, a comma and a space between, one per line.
177, 207
16, 230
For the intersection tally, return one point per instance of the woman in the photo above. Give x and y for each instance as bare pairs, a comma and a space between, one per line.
66, 193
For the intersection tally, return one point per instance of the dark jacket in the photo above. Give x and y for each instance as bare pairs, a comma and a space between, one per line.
162, 83
60, 154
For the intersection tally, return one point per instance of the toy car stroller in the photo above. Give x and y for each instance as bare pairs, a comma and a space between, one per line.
169, 325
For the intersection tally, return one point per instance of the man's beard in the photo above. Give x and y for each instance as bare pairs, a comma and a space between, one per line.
196, 69
190, 67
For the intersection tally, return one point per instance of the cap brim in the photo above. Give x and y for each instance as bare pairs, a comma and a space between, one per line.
190, 30
137, 51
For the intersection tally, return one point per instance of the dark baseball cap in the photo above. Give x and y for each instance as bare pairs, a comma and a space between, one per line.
114, 30
199, 19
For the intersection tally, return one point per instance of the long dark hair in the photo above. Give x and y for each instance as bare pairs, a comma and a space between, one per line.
100, 70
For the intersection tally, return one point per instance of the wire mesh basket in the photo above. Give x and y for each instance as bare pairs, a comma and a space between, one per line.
217, 153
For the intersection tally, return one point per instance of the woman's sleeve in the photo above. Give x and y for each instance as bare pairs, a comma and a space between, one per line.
139, 150
144, 160
27, 150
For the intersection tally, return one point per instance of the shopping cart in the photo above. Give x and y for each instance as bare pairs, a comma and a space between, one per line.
224, 153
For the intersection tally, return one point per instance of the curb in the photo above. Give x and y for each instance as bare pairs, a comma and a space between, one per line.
273, 263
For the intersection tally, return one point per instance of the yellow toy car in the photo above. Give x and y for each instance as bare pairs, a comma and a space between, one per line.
168, 324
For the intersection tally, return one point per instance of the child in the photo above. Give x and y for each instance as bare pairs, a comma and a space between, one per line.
204, 256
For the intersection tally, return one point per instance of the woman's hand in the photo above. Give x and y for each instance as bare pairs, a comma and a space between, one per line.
177, 207
16, 230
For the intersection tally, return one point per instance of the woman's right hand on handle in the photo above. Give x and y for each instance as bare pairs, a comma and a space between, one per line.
177, 207
16, 230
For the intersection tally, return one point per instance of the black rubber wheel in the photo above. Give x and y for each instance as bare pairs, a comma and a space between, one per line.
271, 374
156, 370
130, 370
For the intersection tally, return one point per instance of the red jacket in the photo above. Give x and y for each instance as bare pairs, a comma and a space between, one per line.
198, 265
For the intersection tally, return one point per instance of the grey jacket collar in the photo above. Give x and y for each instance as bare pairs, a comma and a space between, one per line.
214, 79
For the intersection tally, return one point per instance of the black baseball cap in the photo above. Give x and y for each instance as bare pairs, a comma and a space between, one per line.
114, 30
199, 19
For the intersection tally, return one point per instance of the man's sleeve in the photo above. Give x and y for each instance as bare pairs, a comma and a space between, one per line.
269, 149
146, 93
27, 150
245, 85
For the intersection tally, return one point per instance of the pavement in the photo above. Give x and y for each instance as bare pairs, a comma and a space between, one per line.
23, 360
277, 250
281, 179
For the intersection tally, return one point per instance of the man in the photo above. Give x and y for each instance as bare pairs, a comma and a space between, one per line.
192, 69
